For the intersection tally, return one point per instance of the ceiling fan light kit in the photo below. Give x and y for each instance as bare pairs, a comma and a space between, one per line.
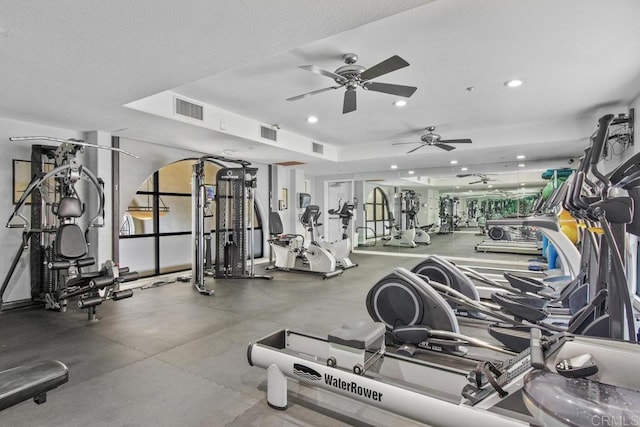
351, 76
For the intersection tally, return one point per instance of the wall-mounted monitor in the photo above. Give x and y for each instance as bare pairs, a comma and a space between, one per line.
304, 200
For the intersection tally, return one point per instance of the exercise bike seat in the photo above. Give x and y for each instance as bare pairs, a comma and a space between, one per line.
31, 381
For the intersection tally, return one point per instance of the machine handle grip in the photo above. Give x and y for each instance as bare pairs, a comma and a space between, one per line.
86, 261
101, 282
123, 270
129, 277
586, 160
16, 225
537, 355
600, 139
59, 265
576, 198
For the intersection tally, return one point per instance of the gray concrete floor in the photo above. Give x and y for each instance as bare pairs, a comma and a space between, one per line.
170, 356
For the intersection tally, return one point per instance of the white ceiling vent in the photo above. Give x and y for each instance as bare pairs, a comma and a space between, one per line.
268, 133
189, 109
318, 148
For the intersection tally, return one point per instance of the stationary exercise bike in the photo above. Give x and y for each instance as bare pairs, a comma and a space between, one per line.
340, 249
290, 251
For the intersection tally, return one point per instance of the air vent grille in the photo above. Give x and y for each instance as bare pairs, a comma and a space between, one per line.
318, 148
189, 109
268, 133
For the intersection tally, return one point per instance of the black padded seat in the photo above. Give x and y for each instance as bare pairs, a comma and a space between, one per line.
31, 381
70, 242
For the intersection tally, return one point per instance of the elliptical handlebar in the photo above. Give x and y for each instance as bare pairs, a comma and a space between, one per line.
597, 149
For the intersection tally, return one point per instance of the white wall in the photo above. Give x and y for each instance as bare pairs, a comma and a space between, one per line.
10, 239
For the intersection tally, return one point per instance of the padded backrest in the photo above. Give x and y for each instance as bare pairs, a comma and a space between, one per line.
69, 207
275, 224
70, 242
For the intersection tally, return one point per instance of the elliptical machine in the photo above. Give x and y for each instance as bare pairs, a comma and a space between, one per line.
290, 251
340, 249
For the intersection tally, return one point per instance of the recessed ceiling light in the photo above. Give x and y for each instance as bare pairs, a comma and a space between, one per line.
464, 169
490, 186
394, 166
454, 162
520, 156
457, 186
522, 184
411, 172
513, 83
312, 119
400, 103
521, 165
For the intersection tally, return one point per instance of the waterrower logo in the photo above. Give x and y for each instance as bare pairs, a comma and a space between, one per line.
306, 372
352, 387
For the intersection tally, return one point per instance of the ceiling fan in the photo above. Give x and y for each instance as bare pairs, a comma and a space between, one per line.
433, 139
351, 75
483, 178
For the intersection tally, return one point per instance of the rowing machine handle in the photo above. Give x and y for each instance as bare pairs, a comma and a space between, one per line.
537, 355
600, 139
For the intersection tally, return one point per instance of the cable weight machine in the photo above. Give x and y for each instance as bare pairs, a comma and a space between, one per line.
234, 223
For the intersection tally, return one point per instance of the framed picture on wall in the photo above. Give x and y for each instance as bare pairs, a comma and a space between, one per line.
285, 198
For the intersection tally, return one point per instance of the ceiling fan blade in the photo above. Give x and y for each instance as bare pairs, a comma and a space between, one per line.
456, 141
475, 182
349, 103
400, 143
463, 175
418, 147
444, 146
318, 70
399, 90
313, 92
384, 67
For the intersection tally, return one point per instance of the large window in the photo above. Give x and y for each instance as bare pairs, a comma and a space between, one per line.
155, 232
377, 213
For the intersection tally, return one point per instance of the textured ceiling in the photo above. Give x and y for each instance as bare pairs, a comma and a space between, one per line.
74, 64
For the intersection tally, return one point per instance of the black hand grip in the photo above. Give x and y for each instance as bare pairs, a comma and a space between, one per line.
122, 294
101, 282
576, 198
600, 139
59, 265
86, 261
16, 225
89, 302
129, 277
586, 160
537, 355
123, 270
